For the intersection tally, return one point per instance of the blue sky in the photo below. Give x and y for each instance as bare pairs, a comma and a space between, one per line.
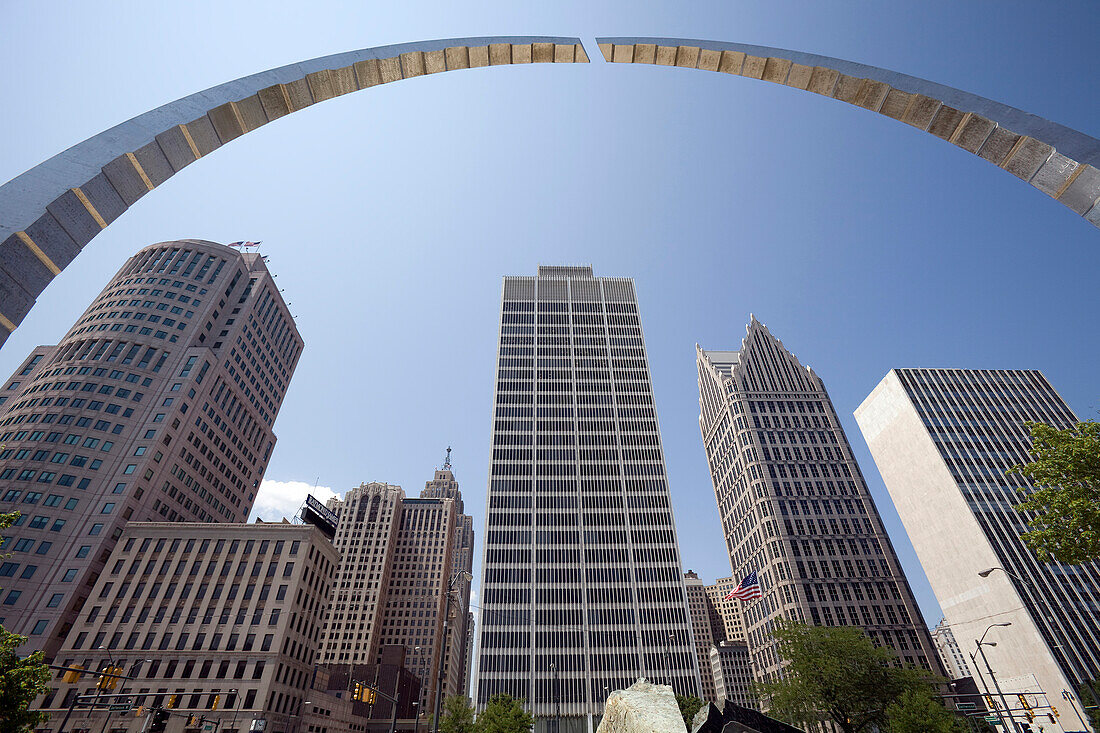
391, 215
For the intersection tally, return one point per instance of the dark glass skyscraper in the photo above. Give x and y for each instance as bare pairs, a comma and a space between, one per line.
794, 506
156, 405
582, 590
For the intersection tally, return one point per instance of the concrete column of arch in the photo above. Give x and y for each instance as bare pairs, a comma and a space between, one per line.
1059, 161
49, 213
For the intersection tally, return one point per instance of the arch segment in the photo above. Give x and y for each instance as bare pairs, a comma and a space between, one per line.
1059, 161
49, 213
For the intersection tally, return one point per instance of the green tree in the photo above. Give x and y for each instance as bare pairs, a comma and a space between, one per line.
21, 680
504, 714
458, 716
918, 711
1065, 503
1087, 700
689, 706
836, 674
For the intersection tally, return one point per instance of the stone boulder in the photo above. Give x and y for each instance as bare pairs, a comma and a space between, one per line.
642, 708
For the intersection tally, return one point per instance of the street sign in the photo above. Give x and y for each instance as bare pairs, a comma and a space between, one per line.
208, 726
123, 707
966, 705
993, 719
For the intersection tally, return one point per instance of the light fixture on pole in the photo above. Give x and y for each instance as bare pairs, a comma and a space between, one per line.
1011, 724
1037, 599
443, 656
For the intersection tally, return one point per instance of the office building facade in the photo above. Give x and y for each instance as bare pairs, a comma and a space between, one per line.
158, 404
444, 486
725, 612
582, 589
716, 621
794, 506
732, 673
398, 557
942, 440
951, 654
219, 620
701, 614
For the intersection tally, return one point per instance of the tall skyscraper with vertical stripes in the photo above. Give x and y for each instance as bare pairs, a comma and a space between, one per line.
943, 439
582, 591
794, 506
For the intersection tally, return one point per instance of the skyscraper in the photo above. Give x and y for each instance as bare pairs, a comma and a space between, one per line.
444, 486
700, 612
398, 556
794, 506
942, 439
158, 404
582, 590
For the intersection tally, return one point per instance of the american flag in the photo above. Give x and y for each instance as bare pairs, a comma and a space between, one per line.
243, 244
748, 590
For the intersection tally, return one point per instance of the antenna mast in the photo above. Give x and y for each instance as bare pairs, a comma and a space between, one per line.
447, 460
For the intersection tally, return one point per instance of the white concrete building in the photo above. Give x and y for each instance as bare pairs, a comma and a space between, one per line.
942, 439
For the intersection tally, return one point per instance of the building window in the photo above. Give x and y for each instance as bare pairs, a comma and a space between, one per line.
55, 600
40, 627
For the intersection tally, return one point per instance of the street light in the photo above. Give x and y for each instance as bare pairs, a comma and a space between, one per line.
298, 724
443, 657
980, 643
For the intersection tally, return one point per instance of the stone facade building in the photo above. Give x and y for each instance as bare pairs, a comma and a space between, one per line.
795, 508
157, 404
582, 586
942, 440
205, 615
699, 609
444, 486
954, 661
725, 612
731, 669
398, 556
715, 621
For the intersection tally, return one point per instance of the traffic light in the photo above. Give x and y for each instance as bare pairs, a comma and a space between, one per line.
72, 676
159, 721
371, 694
171, 701
217, 699
108, 678
1027, 708
140, 711
357, 692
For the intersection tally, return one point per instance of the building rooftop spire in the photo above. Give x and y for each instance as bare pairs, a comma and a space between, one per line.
447, 460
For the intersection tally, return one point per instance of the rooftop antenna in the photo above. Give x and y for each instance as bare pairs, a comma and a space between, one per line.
447, 460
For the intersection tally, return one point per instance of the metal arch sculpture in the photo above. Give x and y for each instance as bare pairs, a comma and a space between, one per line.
1059, 161
49, 213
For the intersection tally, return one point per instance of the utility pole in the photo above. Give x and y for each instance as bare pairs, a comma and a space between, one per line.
1011, 724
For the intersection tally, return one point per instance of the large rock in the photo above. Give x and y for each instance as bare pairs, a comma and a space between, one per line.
642, 708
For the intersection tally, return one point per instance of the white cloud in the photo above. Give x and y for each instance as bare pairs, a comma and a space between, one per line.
278, 499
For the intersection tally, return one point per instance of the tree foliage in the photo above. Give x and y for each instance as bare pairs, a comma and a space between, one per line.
1089, 702
1065, 503
504, 714
836, 674
21, 680
689, 706
457, 716
918, 711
